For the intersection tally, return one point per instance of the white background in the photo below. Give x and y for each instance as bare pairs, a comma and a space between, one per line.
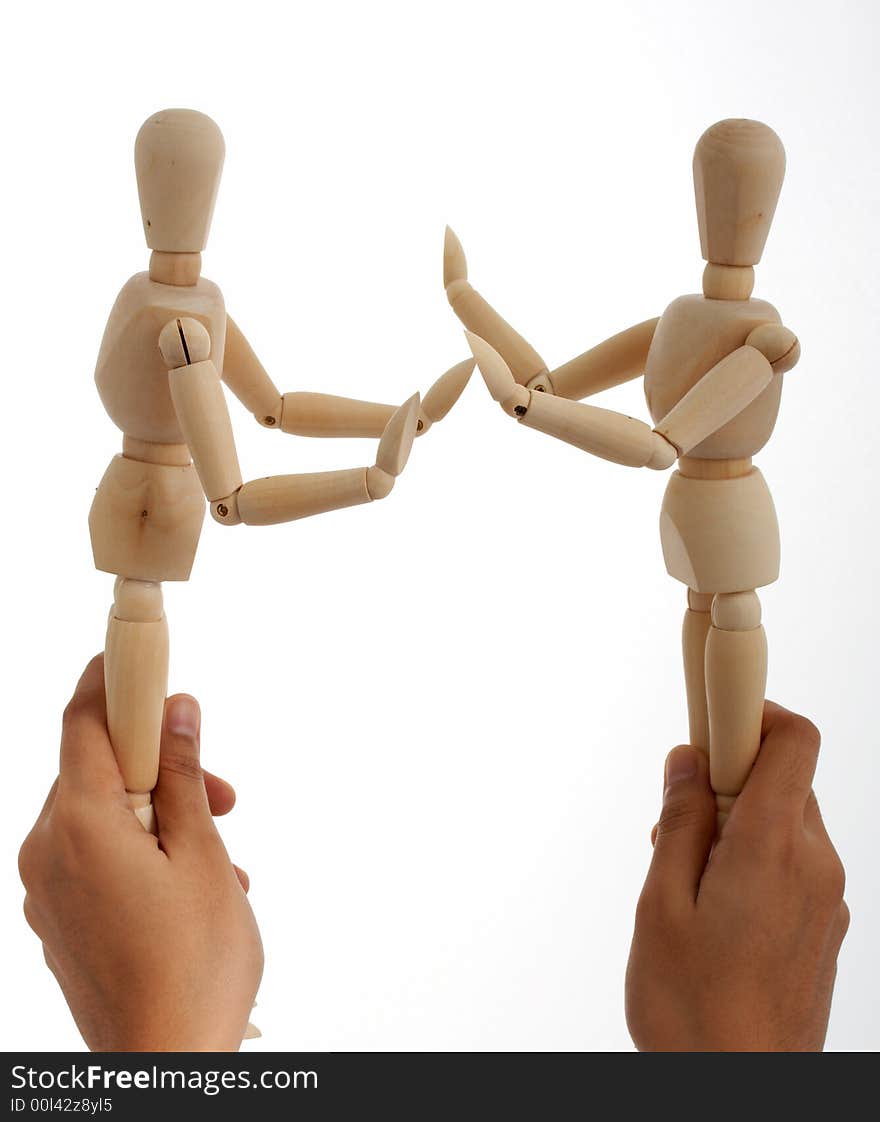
445, 714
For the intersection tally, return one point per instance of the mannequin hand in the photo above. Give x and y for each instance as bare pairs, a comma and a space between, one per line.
513, 398
152, 940
735, 947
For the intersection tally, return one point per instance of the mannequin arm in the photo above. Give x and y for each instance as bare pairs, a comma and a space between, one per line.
324, 414
612, 362
204, 419
618, 359
479, 317
247, 378
730, 386
304, 414
611, 436
720, 395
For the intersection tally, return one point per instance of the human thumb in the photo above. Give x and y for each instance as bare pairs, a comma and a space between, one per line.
180, 798
686, 828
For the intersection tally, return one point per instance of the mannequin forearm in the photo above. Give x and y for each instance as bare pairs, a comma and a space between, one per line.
602, 432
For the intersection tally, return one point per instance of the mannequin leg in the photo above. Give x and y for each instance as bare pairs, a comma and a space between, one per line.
695, 631
736, 677
136, 682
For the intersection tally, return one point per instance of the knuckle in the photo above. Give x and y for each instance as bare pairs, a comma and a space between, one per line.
824, 882
793, 779
30, 915
73, 711
844, 921
835, 879
648, 906
678, 814
806, 731
179, 763
26, 861
653, 911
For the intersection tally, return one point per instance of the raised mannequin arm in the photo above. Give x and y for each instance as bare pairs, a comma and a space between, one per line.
618, 359
324, 414
480, 318
204, 419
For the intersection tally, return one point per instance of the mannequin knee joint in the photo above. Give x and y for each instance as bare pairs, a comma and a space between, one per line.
699, 601
736, 611
138, 601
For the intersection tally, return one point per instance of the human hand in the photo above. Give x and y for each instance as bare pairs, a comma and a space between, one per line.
735, 945
152, 939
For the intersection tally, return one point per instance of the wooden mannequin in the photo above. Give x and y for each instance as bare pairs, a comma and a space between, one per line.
713, 366
167, 344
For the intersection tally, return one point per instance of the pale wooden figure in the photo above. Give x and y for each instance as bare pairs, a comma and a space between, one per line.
713, 367
167, 344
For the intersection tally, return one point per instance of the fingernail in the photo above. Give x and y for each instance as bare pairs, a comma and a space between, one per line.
681, 763
183, 716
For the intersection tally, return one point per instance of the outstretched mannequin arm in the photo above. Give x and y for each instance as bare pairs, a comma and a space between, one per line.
722, 393
622, 357
616, 360
612, 436
204, 419
324, 414
612, 362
